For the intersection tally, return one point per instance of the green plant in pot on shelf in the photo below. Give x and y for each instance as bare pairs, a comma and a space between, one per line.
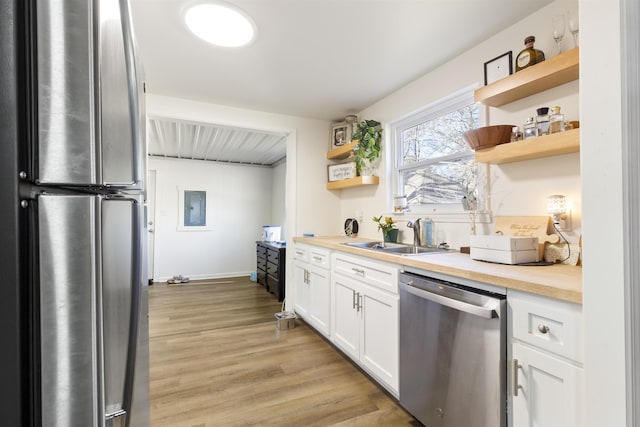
388, 227
369, 135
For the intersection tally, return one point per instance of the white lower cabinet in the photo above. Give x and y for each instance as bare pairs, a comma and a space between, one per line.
365, 320
312, 280
549, 390
546, 375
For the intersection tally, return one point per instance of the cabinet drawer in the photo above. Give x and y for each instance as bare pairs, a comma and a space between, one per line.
273, 256
272, 269
261, 251
262, 264
374, 273
301, 253
552, 325
320, 257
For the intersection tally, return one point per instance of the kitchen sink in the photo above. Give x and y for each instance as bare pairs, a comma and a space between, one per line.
413, 250
397, 248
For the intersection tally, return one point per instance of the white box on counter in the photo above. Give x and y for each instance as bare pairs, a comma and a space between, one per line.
504, 249
504, 243
504, 257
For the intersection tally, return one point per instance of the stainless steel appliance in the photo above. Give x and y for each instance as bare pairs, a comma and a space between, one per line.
73, 162
452, 353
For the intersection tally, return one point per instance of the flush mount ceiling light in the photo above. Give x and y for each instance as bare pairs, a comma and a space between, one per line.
220, 24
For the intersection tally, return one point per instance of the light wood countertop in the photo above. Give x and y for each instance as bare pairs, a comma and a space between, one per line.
562, 282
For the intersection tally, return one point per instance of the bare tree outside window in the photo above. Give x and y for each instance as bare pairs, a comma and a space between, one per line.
436, 166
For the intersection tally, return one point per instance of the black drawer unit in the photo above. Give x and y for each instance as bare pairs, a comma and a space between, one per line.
270, 267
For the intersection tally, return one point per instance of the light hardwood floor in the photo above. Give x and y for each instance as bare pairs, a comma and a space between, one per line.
217, 359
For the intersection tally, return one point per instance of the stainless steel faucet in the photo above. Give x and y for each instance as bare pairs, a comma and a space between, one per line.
415, 226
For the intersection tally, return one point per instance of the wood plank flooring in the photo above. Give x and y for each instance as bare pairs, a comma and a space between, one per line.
217, 359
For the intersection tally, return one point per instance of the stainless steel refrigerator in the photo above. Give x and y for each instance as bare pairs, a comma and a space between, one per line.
73, 307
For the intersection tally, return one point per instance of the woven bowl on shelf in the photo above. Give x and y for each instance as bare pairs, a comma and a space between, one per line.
487, 136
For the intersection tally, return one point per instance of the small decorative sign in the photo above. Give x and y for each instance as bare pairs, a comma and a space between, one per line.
342, 171
498, 68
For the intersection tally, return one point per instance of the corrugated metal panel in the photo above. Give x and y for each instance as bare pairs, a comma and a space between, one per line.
205, 141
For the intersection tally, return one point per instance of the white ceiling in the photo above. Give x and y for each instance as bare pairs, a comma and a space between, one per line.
321, 59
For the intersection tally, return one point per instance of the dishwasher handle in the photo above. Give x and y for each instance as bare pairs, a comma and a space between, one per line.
481, 311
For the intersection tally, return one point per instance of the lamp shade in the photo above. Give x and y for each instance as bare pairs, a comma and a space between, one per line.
556, 204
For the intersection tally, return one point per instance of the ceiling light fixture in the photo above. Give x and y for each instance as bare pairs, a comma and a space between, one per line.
220, 24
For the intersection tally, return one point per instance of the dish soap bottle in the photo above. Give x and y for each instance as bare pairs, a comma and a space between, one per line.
529, 55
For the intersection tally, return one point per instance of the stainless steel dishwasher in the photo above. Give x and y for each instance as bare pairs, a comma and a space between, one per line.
452, 353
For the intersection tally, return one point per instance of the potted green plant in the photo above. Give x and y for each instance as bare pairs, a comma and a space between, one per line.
388, 227
369, 135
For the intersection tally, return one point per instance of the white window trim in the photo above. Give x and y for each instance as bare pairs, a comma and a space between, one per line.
453, 213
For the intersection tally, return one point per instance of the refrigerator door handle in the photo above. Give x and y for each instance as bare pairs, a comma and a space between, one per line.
135, 93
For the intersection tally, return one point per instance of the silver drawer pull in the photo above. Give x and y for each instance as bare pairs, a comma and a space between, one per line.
317, 258
358, 270
543, 329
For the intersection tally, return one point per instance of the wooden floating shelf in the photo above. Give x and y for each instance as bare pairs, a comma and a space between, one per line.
342, 152
535, 148
560, 69
353, 182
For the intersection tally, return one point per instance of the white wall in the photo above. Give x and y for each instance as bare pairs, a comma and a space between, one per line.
517, 189
239, 202
602, 192
278, 196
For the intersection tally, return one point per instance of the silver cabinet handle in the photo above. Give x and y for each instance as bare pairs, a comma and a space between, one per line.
543, 329
317, 258
299, 253
358, 270
359, 302
354, 299
515, 384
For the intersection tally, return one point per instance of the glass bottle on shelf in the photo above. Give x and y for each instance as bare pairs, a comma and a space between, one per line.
516, 135
529, 55
530, 129
542, 121
556, 121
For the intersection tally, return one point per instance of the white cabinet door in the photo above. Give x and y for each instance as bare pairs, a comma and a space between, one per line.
302, 291
549, 390
379, 335
319, 298
345, 325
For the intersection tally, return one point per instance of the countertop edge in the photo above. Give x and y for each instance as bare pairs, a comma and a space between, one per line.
561, 282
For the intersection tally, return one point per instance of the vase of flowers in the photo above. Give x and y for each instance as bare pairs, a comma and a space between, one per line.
388, 227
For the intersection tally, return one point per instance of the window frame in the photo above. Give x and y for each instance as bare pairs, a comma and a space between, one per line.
433, 110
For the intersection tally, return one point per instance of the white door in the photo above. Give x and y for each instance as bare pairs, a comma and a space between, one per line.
379, 335
151, 216
549, 392
346, 317
301, 282
319, 288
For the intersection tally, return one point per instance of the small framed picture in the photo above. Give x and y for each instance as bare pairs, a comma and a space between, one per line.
498, 68
340, 135
342, 171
